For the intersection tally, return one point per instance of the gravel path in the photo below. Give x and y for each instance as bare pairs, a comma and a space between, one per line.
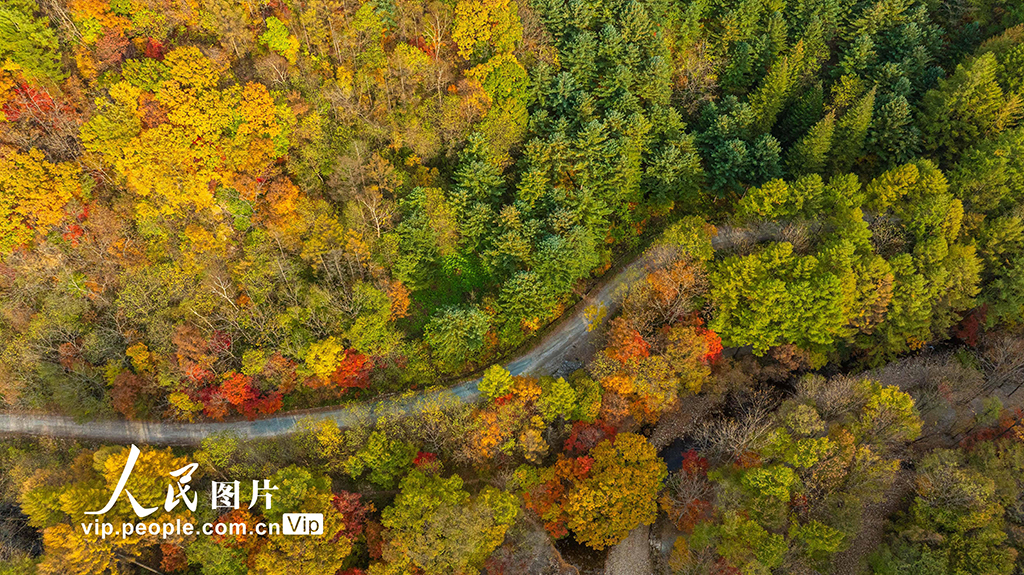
632, 556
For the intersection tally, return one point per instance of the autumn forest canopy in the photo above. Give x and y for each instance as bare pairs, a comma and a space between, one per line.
219, 210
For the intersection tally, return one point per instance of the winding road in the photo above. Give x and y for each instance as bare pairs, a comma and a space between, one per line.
568, 340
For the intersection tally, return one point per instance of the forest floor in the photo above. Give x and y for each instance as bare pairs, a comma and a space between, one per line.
874, 521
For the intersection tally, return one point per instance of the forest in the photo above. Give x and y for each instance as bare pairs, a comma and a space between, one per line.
217, 211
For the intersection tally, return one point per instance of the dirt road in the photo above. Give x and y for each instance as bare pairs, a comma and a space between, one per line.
568, 342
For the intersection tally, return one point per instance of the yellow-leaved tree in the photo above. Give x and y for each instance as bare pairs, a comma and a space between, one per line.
620, 492
33, 193
480, 24
56, 502
176, 137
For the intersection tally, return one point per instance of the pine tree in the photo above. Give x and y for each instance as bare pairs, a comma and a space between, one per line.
966, 107
455, 334
1011, 70
581, 57
859, 58
766, 159
892, 137
810, 154
477, 179
850, 133
776, 88
807, 109
737, 76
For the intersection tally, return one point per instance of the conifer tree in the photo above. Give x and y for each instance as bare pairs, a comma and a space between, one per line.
850, 133
806, 110
809, 155
892, 137
859, 57
768, 100
966, 107
477, 179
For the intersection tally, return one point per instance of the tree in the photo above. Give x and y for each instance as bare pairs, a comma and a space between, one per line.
819, 540
126, 390
891, 186
768, 100
322, 554
780, 200
227, 137
456, 334
353, 371
295, 485
619, 492
434, 525
27, 40
625, 342
670, 290
958, 519
889, 417
745, 543
33, 193
809, 155
512, 424
497, 382
557, 399
216, 560
54, 500
773, 297
893, 137
387, 458
323, 357
231, 23
507, 84
68, 551
690, 352
966, 107
990, 174
280, 40
477, 178
486, 24
851, 131
372, 333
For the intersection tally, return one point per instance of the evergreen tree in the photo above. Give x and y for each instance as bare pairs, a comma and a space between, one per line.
893, 137
805, 111
859, 57
968, 106
770, 97
477, 179
766, 161
850, 132
456, 334
810, 154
